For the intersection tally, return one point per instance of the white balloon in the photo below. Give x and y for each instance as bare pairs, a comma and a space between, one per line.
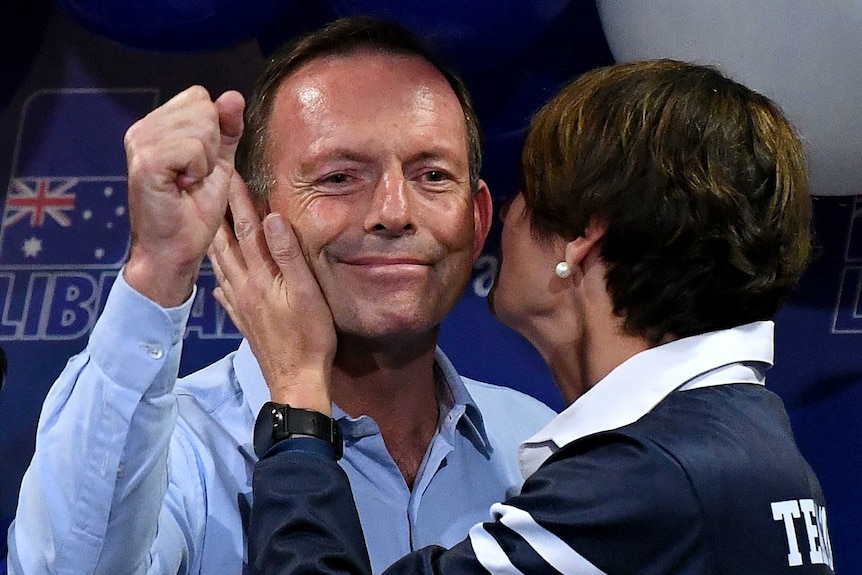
806, 55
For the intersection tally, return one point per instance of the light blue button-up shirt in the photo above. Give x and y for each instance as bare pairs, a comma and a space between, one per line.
136, 472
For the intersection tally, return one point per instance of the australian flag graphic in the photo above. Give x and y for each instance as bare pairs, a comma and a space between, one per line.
66, 202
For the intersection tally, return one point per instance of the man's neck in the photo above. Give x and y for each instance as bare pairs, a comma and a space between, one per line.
395, 386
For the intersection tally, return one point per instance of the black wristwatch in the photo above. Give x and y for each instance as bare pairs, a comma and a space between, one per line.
277, 421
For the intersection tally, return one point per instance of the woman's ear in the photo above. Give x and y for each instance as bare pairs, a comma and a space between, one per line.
578, 249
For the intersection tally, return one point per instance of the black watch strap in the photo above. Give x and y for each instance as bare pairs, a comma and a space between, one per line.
278, 421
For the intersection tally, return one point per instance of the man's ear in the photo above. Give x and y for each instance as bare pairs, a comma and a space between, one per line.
578, 249
483, 215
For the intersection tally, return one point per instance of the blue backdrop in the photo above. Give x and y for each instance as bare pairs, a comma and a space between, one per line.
80, 73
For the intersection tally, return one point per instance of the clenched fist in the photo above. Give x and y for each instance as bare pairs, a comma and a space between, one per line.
181, 166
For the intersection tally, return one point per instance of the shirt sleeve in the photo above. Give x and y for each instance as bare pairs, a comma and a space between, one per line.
98, 490
571, 517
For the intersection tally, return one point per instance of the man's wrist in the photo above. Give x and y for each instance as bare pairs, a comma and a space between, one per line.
312, 393
159, 283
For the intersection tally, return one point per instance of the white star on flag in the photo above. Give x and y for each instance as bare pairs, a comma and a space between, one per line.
32, 247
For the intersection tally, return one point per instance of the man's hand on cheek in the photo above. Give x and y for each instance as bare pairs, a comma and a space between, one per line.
274, 299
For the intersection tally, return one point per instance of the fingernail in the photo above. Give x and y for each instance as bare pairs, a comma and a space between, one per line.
274, 222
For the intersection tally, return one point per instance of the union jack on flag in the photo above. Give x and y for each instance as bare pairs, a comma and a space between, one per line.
38, 199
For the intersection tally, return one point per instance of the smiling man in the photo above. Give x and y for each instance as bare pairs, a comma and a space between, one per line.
370, 150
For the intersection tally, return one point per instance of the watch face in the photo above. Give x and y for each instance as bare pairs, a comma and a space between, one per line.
263, 427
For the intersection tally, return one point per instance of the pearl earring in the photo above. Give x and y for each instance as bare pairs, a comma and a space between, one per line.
563, 270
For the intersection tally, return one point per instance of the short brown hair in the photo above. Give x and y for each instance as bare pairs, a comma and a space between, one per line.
339, 38
700, 181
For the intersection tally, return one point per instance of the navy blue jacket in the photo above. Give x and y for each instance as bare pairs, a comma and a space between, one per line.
708, 482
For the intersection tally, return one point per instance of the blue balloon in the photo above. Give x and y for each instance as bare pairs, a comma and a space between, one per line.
175, 25
479, 34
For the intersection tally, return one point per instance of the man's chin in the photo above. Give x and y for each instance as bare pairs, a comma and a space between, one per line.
386, 332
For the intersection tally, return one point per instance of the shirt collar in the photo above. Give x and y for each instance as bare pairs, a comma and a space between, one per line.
459, 403
635, 387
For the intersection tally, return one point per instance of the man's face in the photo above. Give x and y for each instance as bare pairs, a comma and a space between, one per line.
369, 158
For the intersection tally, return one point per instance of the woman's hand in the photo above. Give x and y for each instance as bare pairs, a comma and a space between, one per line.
270, 293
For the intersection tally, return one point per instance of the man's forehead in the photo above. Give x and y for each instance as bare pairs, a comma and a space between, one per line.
363, 66
367, 101
332, 87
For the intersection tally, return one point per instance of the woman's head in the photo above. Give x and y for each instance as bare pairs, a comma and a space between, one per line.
701, 185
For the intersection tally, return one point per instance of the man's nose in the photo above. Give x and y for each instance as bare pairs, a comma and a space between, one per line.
391, 206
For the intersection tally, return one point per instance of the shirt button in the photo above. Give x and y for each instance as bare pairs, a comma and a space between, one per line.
154, 350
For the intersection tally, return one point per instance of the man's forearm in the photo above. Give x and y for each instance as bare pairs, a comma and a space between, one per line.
91, 499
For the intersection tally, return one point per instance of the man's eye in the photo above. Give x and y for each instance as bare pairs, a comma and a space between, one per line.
436, 175
336, 179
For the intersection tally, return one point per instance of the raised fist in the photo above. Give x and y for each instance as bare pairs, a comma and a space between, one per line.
181, 163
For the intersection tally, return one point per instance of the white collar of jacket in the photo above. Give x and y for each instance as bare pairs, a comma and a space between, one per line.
738, 355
